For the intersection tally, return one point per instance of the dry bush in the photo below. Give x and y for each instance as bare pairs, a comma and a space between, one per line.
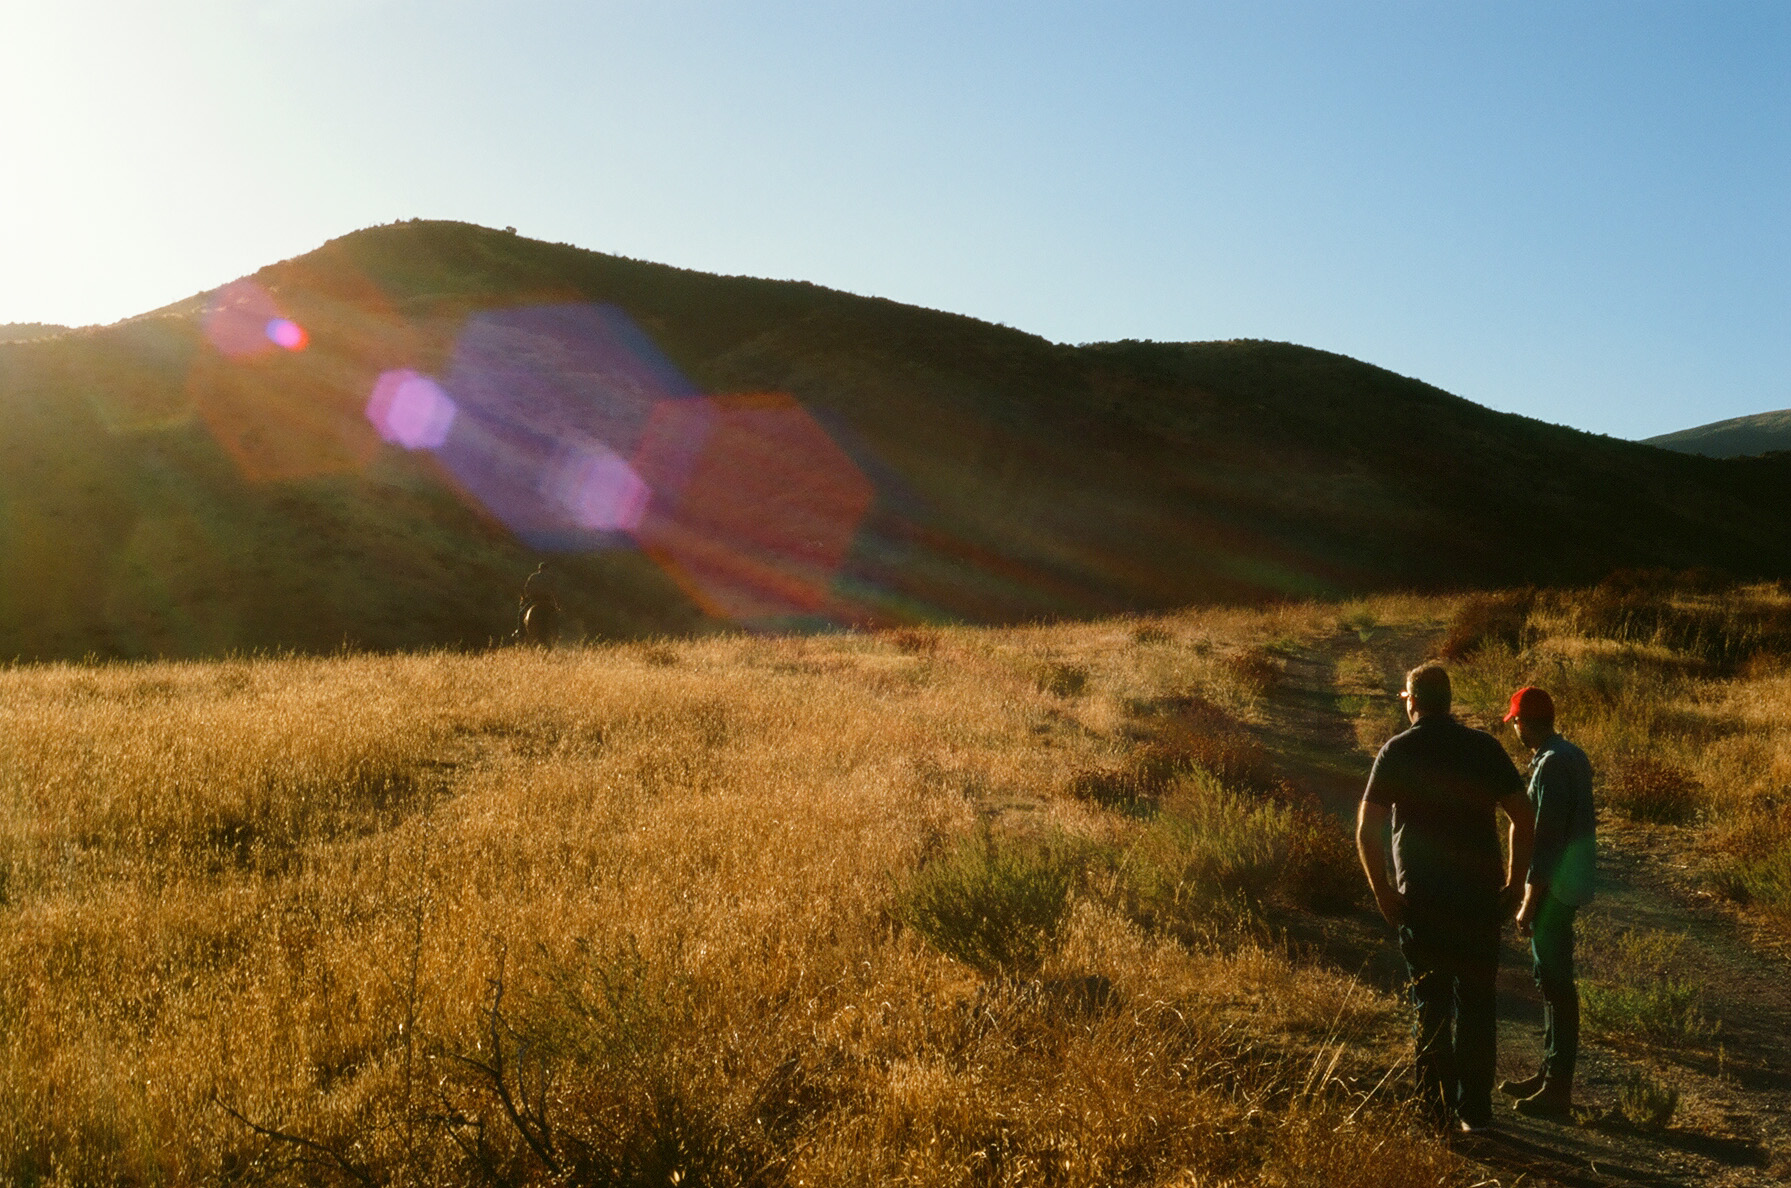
1181, 735
1692, 614
916, 641
1647, 788
1485, 619
1756, 864
1256, 669
1062, 679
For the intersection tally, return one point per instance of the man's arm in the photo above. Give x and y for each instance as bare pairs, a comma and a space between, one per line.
1522, 844
1371, 845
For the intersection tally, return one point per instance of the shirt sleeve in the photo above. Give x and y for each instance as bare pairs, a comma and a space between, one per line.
1505, 777
1382, 781
1554, 810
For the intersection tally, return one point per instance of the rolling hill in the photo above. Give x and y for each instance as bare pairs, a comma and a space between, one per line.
1737, 437
373, 443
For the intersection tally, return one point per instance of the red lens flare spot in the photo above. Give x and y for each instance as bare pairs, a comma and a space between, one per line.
287, 334
756, 506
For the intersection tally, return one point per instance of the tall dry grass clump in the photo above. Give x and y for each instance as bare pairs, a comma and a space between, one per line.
738, 911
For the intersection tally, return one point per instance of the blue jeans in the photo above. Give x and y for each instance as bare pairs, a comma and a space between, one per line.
1454, 963
1551, 945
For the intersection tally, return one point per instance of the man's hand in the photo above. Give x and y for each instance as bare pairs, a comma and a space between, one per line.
1526, 912
1391, 903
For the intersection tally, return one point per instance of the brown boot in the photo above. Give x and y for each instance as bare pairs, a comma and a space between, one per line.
1553, 1100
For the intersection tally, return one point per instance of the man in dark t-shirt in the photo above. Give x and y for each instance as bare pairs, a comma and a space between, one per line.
1433, 793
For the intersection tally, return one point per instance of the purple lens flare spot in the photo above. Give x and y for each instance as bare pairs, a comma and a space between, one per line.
553, 402
602, 491
411, 409
287, 334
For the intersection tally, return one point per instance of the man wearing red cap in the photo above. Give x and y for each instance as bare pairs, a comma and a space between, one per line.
1562, 869
1432, 795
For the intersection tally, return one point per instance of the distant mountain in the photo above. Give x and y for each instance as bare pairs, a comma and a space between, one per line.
373, 443
26, 331
1737, 437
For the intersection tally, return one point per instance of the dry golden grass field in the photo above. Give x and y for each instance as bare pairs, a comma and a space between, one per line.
1073, 904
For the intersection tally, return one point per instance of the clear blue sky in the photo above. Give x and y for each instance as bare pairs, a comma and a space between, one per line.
1578, 211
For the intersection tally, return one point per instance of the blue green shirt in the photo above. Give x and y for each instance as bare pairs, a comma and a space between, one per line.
1566, 855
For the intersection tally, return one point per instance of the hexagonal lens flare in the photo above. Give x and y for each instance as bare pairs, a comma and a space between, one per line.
755, 507
411, 409
602, 491
550, 402
567, 424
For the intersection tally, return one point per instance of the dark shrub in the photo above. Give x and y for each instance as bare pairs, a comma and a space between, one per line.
1644, 788
1257, 669
1062, 680
1498, 618
1182, 735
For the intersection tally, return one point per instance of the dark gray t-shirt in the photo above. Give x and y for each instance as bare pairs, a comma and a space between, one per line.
1441, 781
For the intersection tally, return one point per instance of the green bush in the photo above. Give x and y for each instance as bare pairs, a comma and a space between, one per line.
1641, 986
1209, 854
1645, 1101
997, 905
1764, 879
1666, 1009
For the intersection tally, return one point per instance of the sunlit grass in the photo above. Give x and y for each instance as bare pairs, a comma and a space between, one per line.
940, 906
663, 909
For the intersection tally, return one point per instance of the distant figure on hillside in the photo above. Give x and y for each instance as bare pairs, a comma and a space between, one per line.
538, 608
1434, 789
1562, 871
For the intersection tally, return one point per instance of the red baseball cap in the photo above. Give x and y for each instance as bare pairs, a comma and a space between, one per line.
1531, 702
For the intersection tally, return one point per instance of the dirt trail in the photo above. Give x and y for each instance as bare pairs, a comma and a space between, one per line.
1733, 1123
